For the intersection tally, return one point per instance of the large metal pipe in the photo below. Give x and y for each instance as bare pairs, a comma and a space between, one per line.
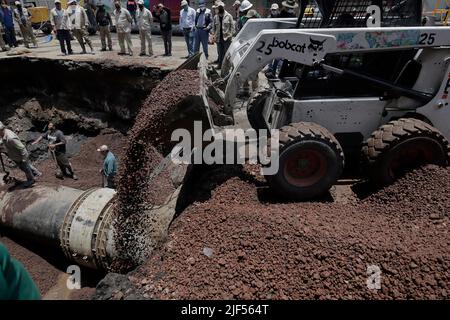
79, 222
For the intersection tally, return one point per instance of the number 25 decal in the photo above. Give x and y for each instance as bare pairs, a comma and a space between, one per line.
427, 38
263, 44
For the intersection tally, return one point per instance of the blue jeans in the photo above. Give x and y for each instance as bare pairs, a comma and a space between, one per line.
10, 36
201, 36
189, 38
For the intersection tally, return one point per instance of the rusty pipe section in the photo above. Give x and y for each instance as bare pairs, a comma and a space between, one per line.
79, 222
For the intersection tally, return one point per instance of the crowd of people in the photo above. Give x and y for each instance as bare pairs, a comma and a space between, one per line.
15, 149
200, 27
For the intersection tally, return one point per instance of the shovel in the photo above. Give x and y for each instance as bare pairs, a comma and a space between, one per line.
6, 178
58, 172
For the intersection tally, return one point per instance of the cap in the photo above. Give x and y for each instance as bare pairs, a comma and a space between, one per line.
220, 4
2, 126
160, 5
201, 3
274, 6
184, 3
140, 2
103, 148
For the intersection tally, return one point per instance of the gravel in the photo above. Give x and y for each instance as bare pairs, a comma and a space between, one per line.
311, 250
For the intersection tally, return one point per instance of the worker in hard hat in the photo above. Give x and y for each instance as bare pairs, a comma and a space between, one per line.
17, 152
274, 11
224, 29
123, 28
60, 24
16, 282
289, 9
79, 22
57, 143
203, 25
109, 169
144, 21
187, 24
104, 22
23, 19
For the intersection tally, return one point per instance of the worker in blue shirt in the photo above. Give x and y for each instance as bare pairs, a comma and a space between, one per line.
109, 169
8, 23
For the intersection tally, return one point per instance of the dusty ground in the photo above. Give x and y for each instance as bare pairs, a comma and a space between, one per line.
51, 50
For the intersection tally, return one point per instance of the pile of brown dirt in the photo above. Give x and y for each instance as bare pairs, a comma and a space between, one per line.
43, 273
147, 145
235, 246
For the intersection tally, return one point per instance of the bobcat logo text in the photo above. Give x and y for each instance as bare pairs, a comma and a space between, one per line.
282, 44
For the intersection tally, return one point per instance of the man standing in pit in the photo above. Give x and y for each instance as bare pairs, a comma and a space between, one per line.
165, 24
123, 27
224, 29
79, 22
109, 169
57, 144
23, 19
187, 22
16, 151
145, 21
203, 25
60, 24
104, 22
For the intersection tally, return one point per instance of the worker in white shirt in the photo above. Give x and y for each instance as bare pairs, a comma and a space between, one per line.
144, 20
79, 22
60, 24
187, 24
123, 27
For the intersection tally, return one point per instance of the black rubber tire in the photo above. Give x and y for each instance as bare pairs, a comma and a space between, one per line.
400, 146
300, 140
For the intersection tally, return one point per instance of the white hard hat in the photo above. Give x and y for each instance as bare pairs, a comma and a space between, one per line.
57, 1
103, 148
274, 6
184, 3
245, 5
220, 4
140, 2
237, 3
72, 1
17, 3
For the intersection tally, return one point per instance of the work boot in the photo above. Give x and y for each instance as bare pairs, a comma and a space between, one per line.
142, 54
103, 49
110, 49
29, 183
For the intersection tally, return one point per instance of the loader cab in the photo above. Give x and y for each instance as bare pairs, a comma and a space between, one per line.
389, 66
